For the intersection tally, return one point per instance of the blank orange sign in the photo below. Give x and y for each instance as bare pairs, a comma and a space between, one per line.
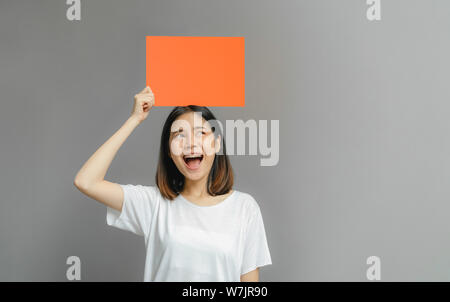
205, 71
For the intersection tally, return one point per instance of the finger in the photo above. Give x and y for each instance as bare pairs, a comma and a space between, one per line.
144, 97
145, 94
145, 90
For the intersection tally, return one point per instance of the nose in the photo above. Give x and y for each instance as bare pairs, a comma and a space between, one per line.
193, 143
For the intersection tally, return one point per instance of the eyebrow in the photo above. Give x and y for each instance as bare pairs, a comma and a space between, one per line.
181, 129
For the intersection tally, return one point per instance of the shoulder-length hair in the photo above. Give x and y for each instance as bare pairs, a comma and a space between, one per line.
170, 180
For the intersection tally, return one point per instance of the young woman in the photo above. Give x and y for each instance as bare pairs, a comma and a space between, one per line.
196, 227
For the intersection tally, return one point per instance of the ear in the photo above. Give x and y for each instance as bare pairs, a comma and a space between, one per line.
217, 143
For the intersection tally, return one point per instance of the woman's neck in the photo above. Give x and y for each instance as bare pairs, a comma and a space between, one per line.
196, 188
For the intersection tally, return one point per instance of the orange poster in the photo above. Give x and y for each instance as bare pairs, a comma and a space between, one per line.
205, 71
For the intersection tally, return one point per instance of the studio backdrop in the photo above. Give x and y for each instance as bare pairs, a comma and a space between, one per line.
347, 104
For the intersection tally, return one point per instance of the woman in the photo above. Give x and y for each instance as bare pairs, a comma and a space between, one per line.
196, 227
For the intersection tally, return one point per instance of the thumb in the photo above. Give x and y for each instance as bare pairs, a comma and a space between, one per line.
145, 90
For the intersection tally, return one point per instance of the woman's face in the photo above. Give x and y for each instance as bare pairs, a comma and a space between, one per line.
192, 145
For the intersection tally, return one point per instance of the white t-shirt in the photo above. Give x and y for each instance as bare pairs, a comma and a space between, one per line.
188, 242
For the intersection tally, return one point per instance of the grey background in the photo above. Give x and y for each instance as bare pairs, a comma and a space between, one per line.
364, 151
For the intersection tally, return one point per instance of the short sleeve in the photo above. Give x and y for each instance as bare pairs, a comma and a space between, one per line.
137, 209
256, 250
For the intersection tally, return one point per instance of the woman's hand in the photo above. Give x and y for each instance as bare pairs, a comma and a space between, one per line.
143, 102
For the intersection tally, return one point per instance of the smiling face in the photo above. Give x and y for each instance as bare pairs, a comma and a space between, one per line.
192, 145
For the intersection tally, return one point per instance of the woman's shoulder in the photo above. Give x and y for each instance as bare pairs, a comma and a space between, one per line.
247, 200
154, 190
148, 191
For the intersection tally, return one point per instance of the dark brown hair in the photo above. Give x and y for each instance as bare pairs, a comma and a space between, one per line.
169, 179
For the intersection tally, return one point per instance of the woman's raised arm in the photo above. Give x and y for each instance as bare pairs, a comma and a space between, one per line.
90, 178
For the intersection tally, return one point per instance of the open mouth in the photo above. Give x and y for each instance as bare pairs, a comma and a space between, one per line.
193, 161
